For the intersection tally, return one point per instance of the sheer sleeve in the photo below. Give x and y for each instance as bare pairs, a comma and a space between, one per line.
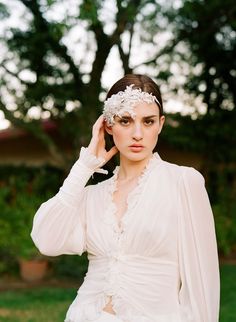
198, 258
59, 224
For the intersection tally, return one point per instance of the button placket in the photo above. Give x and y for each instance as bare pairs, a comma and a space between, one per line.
115, 257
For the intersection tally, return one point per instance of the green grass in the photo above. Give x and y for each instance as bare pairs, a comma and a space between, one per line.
49, 304
35, 305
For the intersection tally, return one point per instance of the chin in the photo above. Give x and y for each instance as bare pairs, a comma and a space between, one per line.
136, 156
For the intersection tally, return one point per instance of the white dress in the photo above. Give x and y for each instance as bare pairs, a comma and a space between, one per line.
159, 265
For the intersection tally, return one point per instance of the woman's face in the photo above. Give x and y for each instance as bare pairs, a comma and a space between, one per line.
136, 138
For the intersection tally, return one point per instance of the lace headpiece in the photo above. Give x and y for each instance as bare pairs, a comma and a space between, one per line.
124, 102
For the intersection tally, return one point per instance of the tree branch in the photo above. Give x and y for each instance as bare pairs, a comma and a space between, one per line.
104, 46
42, 26
125, 57
165, 50
125, 20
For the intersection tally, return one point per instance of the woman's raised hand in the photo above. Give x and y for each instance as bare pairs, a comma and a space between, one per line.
97, 143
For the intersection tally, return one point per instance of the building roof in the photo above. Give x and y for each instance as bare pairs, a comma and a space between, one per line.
12, 132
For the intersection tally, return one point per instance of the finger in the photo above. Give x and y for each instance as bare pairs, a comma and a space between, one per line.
98, 124
98, 139
101, 136
111, 153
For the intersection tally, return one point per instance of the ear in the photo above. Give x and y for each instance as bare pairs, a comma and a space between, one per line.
161, 121
108, 128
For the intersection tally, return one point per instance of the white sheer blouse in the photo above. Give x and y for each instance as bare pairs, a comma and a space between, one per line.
159, 265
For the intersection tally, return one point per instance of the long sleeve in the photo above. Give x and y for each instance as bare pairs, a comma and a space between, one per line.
198, 258
59, 224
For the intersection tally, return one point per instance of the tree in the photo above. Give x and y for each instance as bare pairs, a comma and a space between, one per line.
200, 45
206, 36
209, 29
50, 80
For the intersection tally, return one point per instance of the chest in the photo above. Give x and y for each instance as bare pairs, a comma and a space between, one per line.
149, 216
120, 198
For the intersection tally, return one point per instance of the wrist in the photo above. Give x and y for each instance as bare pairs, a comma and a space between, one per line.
89, 159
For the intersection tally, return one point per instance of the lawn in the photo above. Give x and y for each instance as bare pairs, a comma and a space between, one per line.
48, 304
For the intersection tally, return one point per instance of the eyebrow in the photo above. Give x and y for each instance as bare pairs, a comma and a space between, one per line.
145, 117
150, 116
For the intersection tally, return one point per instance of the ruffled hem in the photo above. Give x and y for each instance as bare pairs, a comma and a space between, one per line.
85, 311
82, 311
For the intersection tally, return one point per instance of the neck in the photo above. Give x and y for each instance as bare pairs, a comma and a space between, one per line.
131, 169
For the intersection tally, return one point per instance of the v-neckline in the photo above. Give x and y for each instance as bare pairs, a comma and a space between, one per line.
119, 219
119, 224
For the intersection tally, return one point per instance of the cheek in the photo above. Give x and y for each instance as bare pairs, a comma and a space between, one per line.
153, 133
118, 137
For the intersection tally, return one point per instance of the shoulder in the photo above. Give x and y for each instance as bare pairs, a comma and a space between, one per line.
192, 176
183, 173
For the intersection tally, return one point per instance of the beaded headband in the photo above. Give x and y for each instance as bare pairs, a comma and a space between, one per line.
124, 102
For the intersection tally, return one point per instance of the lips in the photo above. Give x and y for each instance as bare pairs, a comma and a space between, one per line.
136, 147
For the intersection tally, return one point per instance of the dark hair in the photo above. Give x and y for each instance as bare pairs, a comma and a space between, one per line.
145, 83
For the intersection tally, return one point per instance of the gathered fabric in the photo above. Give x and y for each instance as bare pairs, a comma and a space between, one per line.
157, 264
106, 317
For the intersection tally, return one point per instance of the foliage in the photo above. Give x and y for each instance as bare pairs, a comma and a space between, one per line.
4, 13
210, 135
71, 267
225, 228
66, 87
208, 29
16, 222
224, 209
228, 284
22, 191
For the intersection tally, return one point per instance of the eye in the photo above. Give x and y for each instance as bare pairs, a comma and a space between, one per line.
149, 122
124, 121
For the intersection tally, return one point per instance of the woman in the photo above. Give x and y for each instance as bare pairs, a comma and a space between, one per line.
148, 230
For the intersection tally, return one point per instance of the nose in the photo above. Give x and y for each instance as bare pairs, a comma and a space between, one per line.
137, 133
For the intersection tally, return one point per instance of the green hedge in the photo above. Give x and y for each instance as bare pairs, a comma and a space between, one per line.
22, 190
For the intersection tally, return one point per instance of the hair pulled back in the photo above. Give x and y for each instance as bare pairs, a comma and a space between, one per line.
145, 83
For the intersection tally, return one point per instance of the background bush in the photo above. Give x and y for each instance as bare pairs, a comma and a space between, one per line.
22, 190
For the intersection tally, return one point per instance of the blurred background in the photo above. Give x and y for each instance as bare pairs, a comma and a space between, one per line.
57, 60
